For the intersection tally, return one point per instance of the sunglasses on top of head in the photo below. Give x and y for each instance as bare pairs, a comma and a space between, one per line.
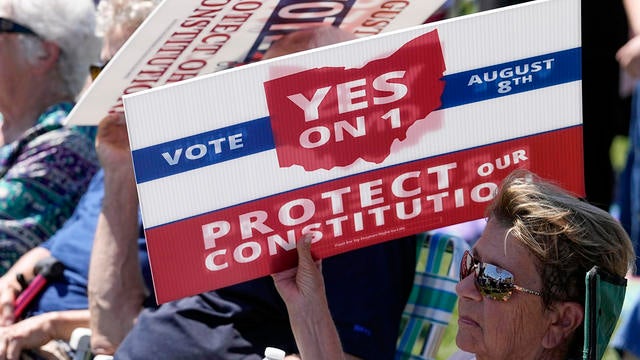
12, 27
492, 281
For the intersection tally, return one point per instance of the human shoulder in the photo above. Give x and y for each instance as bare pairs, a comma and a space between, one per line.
63, 152
50, 130
64, 137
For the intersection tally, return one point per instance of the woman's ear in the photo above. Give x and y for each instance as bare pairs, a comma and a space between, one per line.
47, 59
566, 317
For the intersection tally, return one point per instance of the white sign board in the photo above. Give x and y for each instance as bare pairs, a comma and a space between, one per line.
356, 143
182, 39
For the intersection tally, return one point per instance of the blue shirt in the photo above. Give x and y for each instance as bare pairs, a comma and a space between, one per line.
627, 197
72, 246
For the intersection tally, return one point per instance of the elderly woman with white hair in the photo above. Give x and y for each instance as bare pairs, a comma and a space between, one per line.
46, 48
42, 327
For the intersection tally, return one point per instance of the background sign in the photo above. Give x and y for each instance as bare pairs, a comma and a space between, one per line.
182, 39
356, 143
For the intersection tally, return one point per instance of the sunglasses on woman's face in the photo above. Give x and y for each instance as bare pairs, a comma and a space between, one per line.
10, 26
492, 281
96, 69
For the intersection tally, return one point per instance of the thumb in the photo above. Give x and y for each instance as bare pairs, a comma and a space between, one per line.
309, 276
304, 249
305, 259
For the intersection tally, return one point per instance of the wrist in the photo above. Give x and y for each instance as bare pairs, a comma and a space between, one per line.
50, 324
10, 281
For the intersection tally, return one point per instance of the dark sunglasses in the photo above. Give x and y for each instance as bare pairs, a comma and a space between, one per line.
96, 69
9, 26
492, 281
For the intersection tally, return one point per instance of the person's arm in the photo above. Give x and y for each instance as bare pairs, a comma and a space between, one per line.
632, 10
9, 285
116, 287
303, 292
33, 332
628, 55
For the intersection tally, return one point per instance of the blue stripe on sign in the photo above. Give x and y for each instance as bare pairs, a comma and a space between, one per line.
512, 78
202, 150
255, 136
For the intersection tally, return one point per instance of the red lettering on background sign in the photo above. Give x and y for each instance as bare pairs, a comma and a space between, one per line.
328, 117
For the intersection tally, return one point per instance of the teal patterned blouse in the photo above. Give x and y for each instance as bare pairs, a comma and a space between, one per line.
42, 176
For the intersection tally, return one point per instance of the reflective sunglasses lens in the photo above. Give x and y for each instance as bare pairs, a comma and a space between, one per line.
95, 70
495, 282
466, 264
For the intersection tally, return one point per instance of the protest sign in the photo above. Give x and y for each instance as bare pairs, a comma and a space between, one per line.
182, 39
356, 143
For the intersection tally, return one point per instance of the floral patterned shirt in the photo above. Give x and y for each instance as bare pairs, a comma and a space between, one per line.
42, 176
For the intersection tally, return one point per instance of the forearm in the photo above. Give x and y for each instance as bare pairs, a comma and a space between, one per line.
116, 288
35, 331
62, 323
632, 9
302, 289
319, 344
315, 333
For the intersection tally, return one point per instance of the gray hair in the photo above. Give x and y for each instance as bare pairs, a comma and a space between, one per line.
126, 13
68, 23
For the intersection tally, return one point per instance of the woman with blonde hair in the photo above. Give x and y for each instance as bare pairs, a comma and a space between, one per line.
522, 286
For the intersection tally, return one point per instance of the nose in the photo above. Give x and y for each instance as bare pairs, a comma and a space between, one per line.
466, 288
